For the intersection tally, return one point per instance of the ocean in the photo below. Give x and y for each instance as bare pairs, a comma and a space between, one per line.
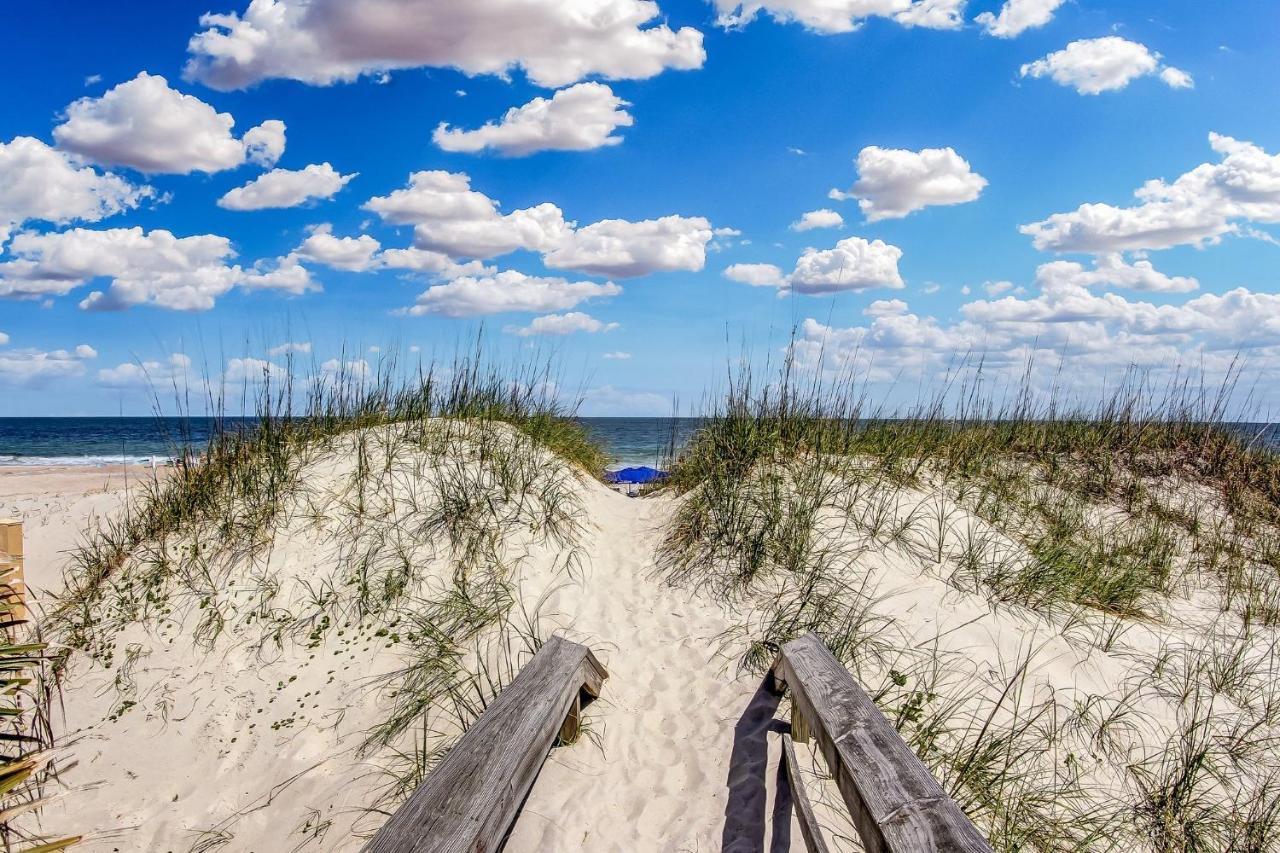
103, 441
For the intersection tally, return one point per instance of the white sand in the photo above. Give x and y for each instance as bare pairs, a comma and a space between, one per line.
253, 746
196, 760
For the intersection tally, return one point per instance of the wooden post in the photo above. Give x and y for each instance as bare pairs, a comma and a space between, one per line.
809, 828
11, 556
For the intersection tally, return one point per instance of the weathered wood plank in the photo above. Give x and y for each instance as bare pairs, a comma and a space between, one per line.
895, 802
11, 558
809, 828
468, 804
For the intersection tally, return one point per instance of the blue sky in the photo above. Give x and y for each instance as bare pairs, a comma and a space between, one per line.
947, 143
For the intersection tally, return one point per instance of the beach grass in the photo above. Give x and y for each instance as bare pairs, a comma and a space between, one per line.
1075, 519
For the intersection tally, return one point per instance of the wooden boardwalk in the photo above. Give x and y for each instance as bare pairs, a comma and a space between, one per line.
469, 802
896, 804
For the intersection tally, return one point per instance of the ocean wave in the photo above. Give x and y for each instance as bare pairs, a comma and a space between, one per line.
89, 461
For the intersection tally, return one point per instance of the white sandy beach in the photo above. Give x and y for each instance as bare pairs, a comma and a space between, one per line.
188, 738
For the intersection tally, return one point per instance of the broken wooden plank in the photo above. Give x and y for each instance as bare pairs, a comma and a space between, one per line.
809, 828
896, 803
470, 801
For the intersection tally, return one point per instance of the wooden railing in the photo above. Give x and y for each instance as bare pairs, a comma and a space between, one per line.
11, 569
470, 801
896, 804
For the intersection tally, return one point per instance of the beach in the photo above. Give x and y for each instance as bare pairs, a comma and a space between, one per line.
56, 504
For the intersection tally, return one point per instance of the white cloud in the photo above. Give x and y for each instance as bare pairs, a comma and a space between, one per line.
452, 218
154, 268
616, 356
325, 41
843, 16
894, 182
4, 339
1115, 271
1199, 207
286, 188
1096, 333
253, 370
1018, 16
995, 288
616, 247
145, 124
33, 368
1093, 66
579, 118
854, 264
41, 183
301, 347
470, 296
285, 275
355, 254
147, 374
756, 275
1176, 78
608, 401
562, 324
886, 308
823, 218
365, 253
264, 144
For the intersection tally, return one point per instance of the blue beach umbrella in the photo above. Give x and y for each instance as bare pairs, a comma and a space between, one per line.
640, 474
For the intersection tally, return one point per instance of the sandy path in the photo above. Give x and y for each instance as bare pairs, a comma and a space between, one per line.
670, 752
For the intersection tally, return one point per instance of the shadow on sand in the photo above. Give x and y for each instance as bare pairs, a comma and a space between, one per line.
744, 813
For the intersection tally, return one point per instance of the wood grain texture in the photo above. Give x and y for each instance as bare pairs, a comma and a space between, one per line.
896, 804
809, 828
469, 802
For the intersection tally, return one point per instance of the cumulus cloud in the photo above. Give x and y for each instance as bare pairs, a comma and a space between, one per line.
354, 254
149, 126
241, 371
1018, 16
33, 368
4, 339
1115, 271
579, 118
326, 41
756, 275
471, 296
147, 374
286, 188
451, 218
365, 253
1199, 207
1094, 66
1067, 316
562, 324
853, 264
823, 218
893, 183
151, 268
300, 347
41, 183
616, 247
843, 16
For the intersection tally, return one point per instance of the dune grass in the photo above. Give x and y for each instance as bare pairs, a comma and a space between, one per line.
421, 495
1083, 519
